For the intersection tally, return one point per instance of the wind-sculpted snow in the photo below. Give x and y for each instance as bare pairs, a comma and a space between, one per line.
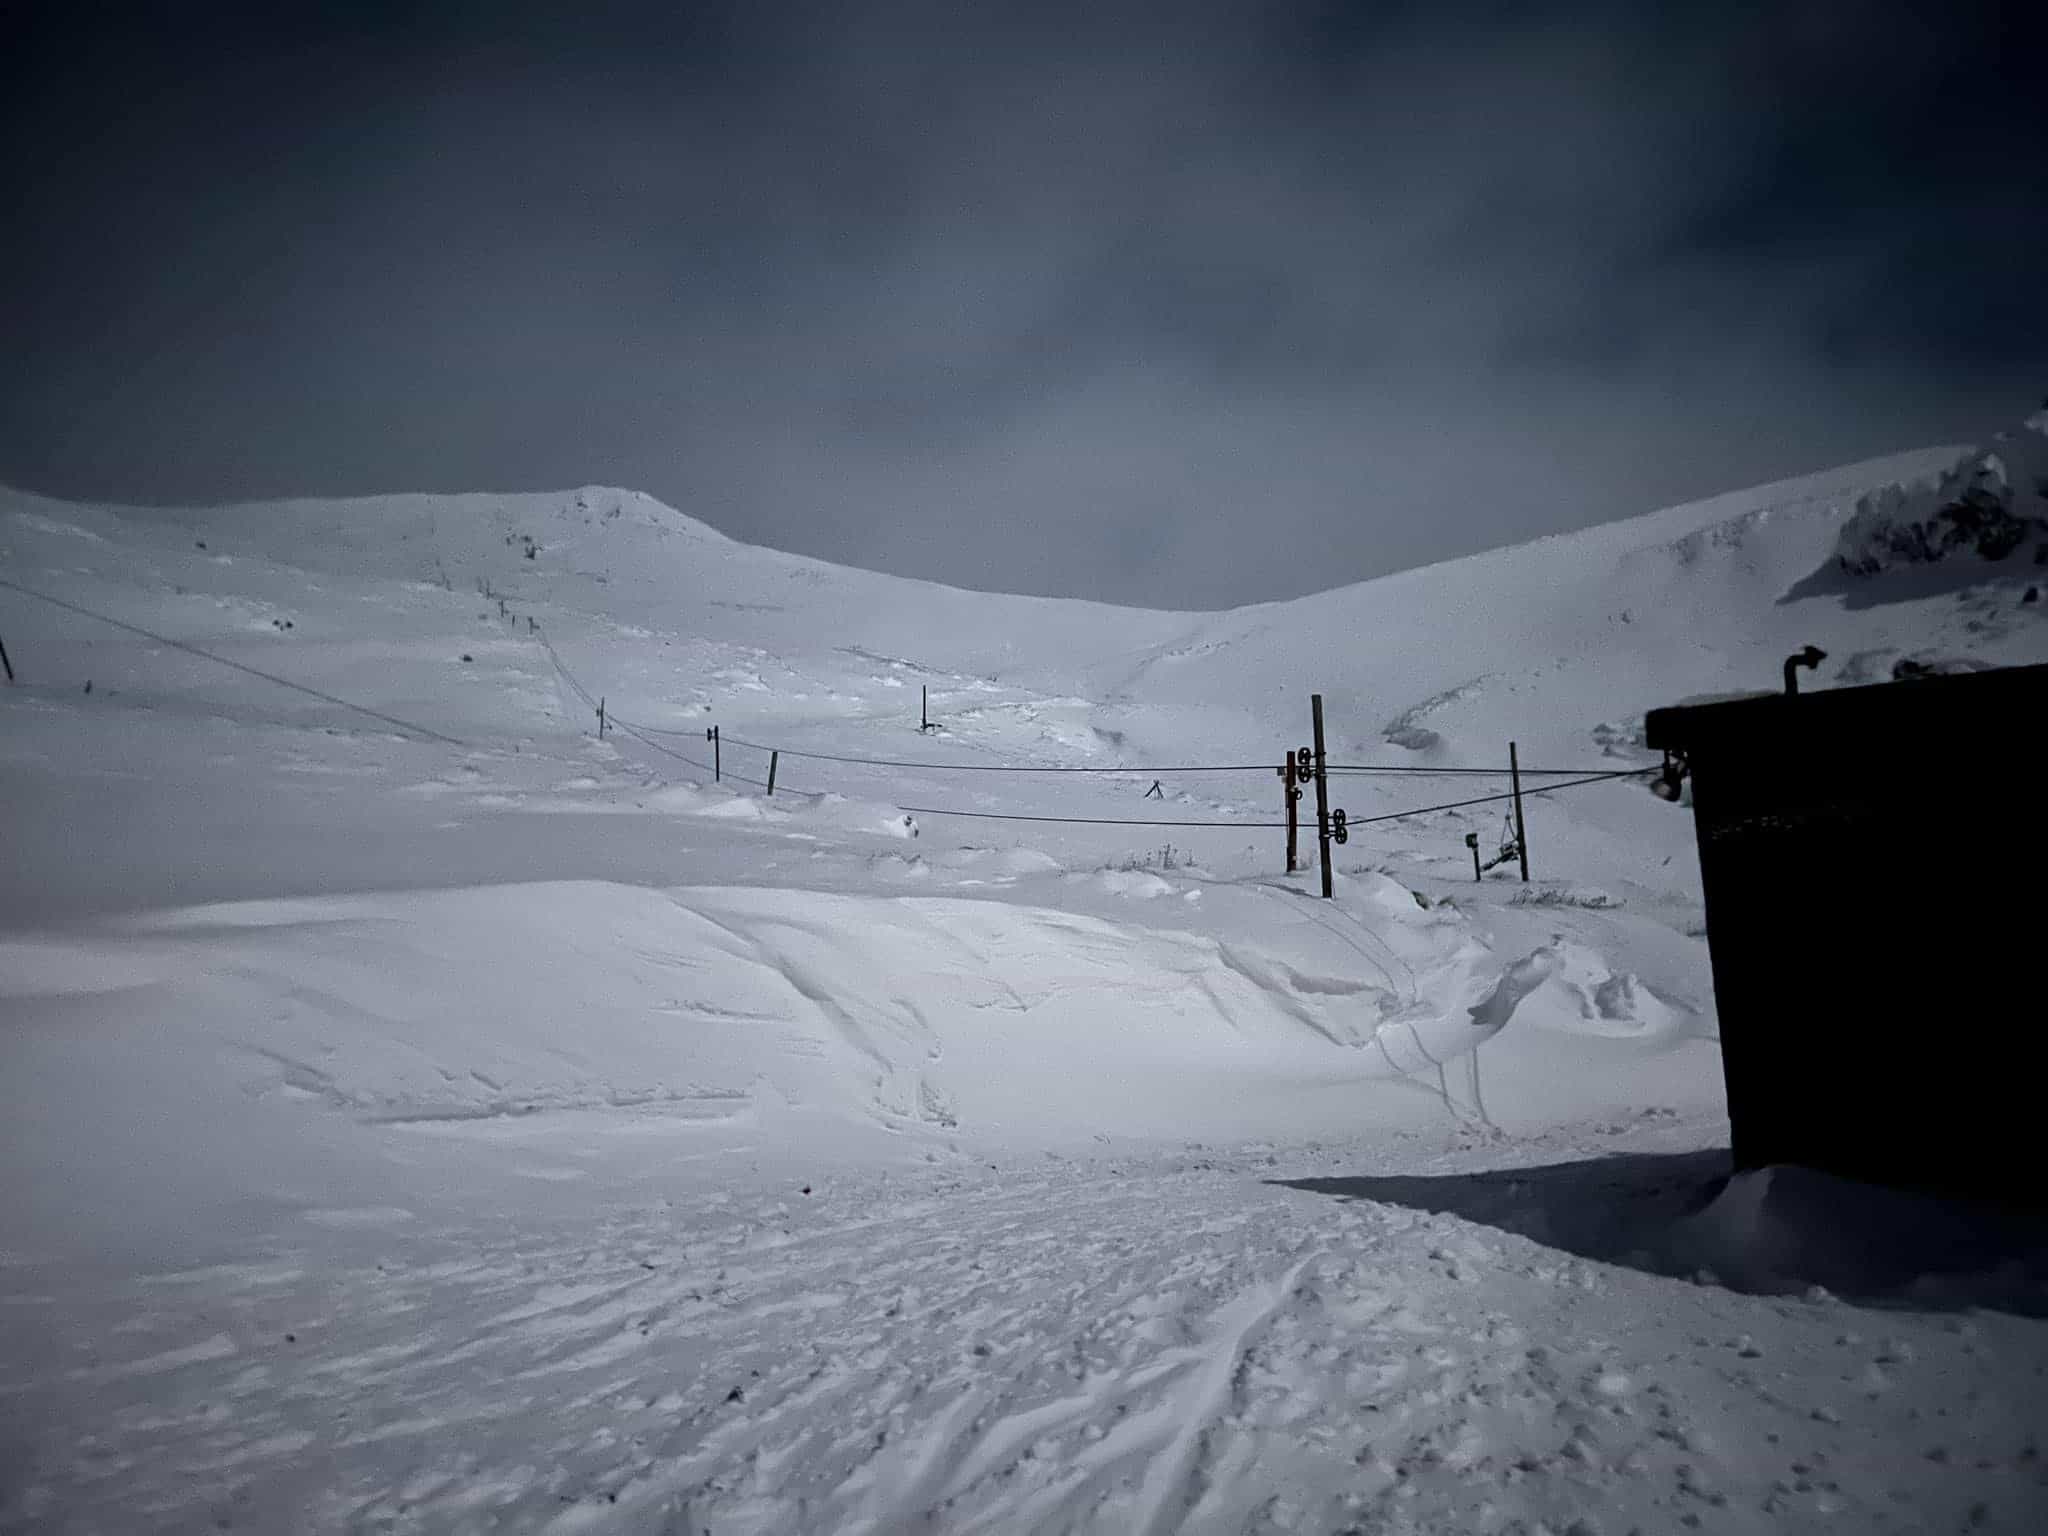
720, 1006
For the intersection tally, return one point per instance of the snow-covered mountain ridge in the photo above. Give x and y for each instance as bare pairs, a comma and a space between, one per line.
1681, 601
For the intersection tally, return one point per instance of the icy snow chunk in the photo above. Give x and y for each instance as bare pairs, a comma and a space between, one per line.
1130, 882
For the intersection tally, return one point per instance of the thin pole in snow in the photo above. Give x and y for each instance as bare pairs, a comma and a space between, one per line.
1521, 836
1293, 799
600, 716
773, 759
4, 662
717, 772
1322, 795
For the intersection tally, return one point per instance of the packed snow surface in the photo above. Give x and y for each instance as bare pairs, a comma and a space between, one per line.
421, 1113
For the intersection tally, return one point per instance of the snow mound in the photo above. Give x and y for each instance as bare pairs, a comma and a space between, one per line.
1140, 883
235, 1032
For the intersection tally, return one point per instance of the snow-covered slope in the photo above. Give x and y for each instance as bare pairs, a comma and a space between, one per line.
470, 633
332, 926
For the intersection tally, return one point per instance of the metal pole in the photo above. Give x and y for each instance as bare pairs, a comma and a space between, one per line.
1812, 656
1322, 795
773, 759
1293, 799
600, 716
4, 662
712, 736
924, 706
1521, 837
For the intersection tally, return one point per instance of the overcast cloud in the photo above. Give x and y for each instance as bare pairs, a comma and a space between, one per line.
1184, 305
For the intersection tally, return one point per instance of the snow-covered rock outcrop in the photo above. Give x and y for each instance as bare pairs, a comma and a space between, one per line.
1991, 507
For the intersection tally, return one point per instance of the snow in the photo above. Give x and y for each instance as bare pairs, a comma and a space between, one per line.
440, 1118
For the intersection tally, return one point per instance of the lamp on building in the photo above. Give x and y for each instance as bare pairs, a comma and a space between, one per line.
1670, 780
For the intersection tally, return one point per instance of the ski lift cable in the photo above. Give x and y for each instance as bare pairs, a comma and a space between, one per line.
1570, 778
1142, 770
206, 655
1260, 826
890, 762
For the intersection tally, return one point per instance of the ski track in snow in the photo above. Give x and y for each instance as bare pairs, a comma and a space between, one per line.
1080, 1346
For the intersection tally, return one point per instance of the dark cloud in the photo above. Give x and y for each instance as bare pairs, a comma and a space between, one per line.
1187, 305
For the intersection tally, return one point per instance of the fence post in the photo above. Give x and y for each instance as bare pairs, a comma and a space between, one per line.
4, 662
1322, 795
717, 775
600, 716
773, 758
1521, 837
924, 707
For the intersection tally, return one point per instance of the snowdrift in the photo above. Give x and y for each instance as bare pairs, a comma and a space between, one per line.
227, 1031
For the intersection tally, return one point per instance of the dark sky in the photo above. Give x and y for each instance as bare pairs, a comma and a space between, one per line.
1187, 304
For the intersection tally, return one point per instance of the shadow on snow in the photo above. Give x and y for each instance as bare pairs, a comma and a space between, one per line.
1772, 1230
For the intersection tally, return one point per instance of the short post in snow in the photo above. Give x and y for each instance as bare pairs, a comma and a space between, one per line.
773, 758
4, 662
717, 774
1472, 842
924, 707
1521, 836
1322, 794
600, 716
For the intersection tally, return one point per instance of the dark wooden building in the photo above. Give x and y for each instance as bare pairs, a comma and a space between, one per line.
1873, 861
